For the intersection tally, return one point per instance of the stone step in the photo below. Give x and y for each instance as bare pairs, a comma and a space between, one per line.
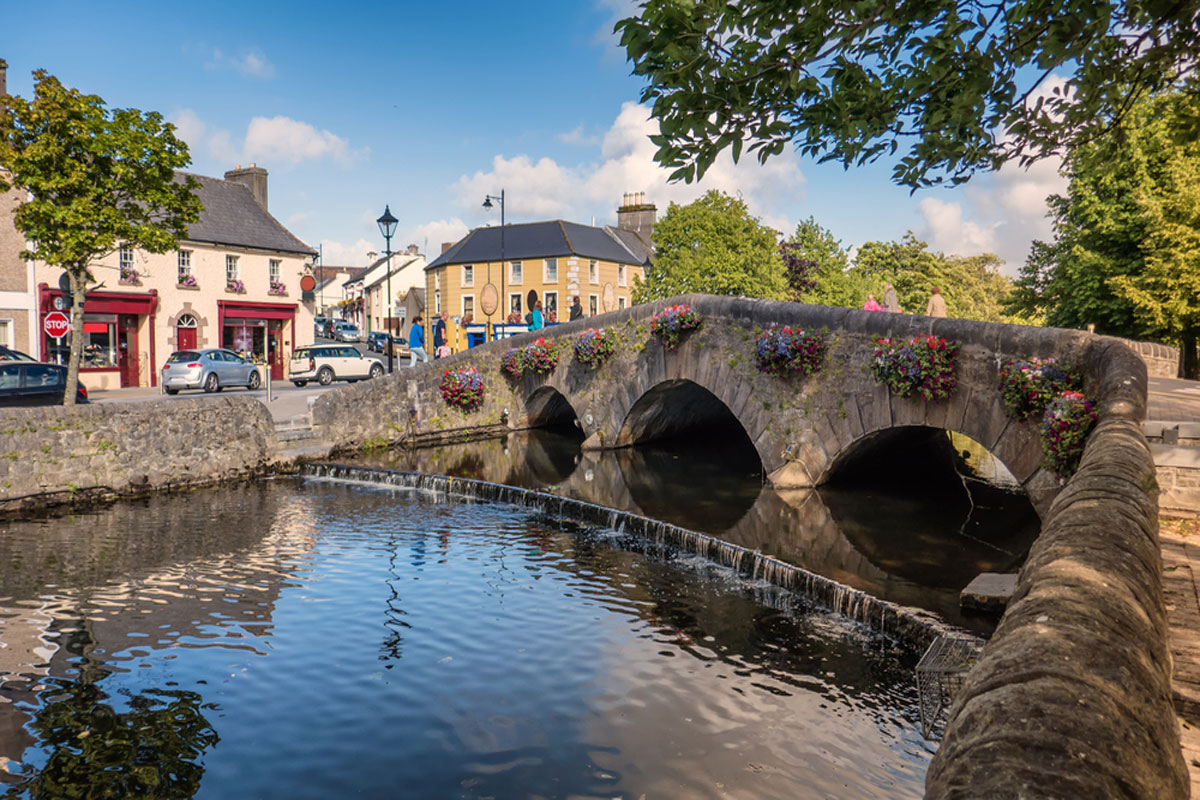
1183, 434
295, 434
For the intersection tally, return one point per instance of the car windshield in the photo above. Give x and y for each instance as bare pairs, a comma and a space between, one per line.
300, 355
183, 355
14, 355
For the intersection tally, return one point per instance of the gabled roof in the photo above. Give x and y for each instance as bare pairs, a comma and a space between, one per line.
400, 262
231, 215
542, 240
356, 274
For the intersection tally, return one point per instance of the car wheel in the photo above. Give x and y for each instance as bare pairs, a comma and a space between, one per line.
211, 384
299, 383
255, 380
171, 391
325, 376
376, 370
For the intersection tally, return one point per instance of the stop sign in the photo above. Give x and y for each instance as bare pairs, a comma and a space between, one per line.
56, 324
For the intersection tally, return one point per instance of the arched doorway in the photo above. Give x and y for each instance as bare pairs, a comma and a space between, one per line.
185, 332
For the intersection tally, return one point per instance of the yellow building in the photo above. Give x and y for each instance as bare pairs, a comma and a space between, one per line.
548, 262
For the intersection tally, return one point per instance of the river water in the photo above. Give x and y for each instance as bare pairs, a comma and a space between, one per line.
307, 638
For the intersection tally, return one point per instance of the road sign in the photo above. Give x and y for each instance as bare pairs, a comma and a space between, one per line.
56, 324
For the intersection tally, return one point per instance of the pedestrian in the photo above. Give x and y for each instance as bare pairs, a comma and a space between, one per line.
439, 335
890, 301
576, 308
872, 304
936, 307
536, 320
416, 343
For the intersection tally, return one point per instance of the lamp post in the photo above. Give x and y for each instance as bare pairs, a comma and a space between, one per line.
487, 203
387, 226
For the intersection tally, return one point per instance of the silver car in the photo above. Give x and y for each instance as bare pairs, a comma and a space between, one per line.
211, 370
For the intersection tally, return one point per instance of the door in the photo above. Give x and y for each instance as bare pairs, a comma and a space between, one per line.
186, 338
275, 349
531, 300
127, 349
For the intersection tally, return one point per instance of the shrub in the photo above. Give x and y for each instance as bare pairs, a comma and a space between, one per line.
540, 356
1068, 420
1027, 387
669, 325
463, 387
784, 351
593, 346
923, 365
510, 362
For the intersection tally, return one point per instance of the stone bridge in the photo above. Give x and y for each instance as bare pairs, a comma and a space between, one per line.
802, 428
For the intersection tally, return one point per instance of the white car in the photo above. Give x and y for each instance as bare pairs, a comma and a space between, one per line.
331, 362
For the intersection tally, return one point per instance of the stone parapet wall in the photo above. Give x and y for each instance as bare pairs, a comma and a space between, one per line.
53, 454
1162, 361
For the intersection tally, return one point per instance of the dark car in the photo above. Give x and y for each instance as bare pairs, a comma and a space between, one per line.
32, 383
377, 341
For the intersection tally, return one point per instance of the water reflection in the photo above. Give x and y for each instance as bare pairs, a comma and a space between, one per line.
916, 541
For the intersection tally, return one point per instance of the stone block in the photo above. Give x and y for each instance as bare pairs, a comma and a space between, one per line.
988, 592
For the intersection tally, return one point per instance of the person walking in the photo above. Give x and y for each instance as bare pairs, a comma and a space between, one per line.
536, 320
936, 307
872, 304
416, 343
890, 301
576, 308
439, 335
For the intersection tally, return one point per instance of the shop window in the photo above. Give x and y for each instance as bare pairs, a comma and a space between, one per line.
99, 343
550, 275
515, 276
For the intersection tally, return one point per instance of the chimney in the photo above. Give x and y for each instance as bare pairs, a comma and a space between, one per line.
253, 178
635, 214
446, 246
3, 77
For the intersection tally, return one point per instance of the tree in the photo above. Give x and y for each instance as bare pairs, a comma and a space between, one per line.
98, 180
713, 245
829, 279
962, 85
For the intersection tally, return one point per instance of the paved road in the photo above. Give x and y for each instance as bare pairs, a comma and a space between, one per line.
1173, 400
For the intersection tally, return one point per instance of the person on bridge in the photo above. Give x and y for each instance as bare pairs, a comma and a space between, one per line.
536, 321
936, 307
890, 301
416, 343
439, 336
576, 308
872, 304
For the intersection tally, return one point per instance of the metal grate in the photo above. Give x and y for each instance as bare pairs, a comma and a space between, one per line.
940, 674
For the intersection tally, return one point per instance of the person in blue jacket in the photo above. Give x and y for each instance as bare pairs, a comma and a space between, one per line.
416, 343
536, 320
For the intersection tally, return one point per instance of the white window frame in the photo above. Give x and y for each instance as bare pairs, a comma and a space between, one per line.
594, 272
437, 301
231, 268
546, 304
125, 257
593, 305
465, 310
520, 304
546, 262
184, 263
7, 329
273, 269
516, 273
621, 302
621, 273
468, 275
187, 321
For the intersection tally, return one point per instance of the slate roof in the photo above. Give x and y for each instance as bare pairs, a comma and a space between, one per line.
545, 240
231, 215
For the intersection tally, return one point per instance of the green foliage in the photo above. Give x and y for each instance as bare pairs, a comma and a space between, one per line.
853, 82
98, 179
1027, 387
924, 365
833, 283
1069, 419
714, 246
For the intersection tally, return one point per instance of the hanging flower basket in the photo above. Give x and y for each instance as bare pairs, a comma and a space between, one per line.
924, 365
593, 347
785, 351
669, 325
1068, 420
1027, 387
511, 364
463, 388
540, 356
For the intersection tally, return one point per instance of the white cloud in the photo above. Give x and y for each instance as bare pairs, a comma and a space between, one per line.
544, 188
342, 254
577, 136
276, 141
251, 61
430, 236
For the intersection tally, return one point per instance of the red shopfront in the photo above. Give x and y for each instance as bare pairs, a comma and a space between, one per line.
111, 324
260, 331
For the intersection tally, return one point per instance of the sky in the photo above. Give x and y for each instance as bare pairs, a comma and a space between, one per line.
429, 107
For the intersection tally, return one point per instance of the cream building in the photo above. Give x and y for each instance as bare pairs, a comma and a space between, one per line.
234, 282
17, 317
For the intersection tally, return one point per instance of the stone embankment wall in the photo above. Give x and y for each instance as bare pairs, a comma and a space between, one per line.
1162, 361
56, 454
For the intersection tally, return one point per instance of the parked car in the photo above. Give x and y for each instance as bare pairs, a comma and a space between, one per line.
377, 341
319, 324
27, 382
211, 370
327, 332
328, 363
345, 332
8, 354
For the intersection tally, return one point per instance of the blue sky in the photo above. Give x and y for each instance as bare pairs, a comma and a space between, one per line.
428, 107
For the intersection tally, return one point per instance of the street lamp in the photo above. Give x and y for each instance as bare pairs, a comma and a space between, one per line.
387, 226
487, 203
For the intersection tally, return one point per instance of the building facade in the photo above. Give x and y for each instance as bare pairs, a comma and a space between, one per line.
542, 262
234, 282
17, 312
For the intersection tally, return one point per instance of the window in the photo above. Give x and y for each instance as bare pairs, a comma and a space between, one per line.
185, 264
273, 269
99, 343
231, 269
6, 332
126, 258
468, 278
550, 305
514, 303
468, 307
620, 274
620, 302
514, 273
593, 272
550, 274
593, 305
437, 302
186, 321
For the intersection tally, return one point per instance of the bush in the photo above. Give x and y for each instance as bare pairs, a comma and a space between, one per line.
463, 387
923, 365
786, 351
592, 347
1065, 427
669, 325
1027, 387
510, 362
